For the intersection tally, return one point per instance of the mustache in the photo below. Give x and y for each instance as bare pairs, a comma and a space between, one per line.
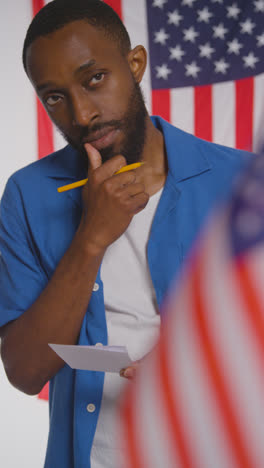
87, 132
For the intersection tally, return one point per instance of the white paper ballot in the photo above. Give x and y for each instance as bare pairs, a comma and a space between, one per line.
95, 358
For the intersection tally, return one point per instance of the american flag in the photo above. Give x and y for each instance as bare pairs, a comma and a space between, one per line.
205, 73
198, 400
205, 69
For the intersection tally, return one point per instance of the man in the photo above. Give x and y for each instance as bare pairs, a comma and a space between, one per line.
82, 267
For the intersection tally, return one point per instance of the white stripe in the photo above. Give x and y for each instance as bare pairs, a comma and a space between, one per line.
223, 103
199, 415
258, 109
234, 344
182, 108
58, 139
135, 20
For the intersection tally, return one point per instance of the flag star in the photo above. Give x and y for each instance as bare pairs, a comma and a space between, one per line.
250, 60
233, 11
190, 34
192, 69
259, 5
174, 17
159, 3
220, 31
163, 71
188, 2
161, 36
204, 15
176, 53
260, 40
206, 50
221, 66
234, 47
247, 26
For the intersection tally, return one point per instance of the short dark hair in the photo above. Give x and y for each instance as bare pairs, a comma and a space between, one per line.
58, 13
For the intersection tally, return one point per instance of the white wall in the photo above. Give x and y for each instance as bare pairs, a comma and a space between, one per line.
23, 419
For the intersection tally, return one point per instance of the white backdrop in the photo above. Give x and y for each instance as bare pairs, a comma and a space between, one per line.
23, 419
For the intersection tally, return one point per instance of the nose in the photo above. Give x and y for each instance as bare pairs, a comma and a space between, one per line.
84, 109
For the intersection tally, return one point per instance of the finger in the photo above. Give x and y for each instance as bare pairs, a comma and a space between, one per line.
94, 156
138, 202
128, 373
109, 168
134, 189
125, 178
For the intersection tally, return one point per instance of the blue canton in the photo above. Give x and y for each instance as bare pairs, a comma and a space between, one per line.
247, 208
199, 42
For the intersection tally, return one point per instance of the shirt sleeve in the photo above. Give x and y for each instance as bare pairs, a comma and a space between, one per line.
21, 276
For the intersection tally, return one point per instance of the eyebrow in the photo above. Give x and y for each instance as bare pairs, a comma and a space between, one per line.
83, 67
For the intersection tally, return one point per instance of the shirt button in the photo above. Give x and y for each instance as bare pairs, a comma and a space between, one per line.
95, 287
90, 408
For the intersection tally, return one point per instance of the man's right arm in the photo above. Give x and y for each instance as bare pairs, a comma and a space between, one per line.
109, 204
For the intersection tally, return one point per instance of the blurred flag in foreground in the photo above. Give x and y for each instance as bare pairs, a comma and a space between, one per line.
198, 401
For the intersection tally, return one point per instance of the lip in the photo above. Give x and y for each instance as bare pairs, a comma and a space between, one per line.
102, 139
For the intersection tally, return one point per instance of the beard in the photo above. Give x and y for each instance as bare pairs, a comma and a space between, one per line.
133, 126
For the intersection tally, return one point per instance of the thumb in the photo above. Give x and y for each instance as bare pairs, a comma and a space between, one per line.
94, 156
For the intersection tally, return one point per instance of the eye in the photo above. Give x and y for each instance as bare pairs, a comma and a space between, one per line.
53, 100
97, 78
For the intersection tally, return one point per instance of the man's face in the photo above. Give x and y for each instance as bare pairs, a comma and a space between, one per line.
88, 90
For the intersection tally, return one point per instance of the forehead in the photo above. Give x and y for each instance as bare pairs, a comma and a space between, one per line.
66, 49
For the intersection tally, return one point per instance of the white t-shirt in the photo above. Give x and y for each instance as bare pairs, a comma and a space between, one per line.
132, 318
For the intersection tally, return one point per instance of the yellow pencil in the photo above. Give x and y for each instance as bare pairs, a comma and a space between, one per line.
80, 183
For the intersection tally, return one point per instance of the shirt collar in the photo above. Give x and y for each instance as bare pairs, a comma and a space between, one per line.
185, 153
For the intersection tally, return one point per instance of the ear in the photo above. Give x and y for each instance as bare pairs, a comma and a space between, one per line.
137, 59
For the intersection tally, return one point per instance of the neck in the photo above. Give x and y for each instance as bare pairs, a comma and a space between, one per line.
153, 173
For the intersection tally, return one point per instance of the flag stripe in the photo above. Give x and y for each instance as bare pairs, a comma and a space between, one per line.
182, 108
161, 103
203, 112
254, 309
45, 146
215, 374
44, 125
258, 109
45, 132
244, 113
37, 5
133, 457
173, 413
223, 104
116, 5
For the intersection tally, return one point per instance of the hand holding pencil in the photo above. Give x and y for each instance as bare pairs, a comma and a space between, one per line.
82, 182
110, 200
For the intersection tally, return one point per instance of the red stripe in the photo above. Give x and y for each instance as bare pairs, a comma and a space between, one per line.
129, 430
45, 132
161, 103
116, 5
171, 405
45, 146
37, 5
203, 122
254, 307
44, 125
44, 394
244, 113
232, 430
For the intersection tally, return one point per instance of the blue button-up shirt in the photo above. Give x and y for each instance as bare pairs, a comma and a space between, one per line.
37, 227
